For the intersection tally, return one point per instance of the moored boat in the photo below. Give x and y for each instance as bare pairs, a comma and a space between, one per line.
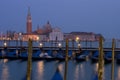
57, 75
108, 57
94, 56
118, 58
83, 56
12, 54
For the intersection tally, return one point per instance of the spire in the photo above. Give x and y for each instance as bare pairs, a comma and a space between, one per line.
48, 22
29, 14
29, 22
38, 27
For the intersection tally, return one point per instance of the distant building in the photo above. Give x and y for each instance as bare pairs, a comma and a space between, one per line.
46, 33
47, 28
56, 35
97, 37
81, 36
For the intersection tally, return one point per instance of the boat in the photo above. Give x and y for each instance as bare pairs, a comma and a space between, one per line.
35, 55
12, 54
95, 56
2, 53
70, 52
23, 55
95, 77
83, 56
108, 57
57, 75
58, 55
118, 58
41, 55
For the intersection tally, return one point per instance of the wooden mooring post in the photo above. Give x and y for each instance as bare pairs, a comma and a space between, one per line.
113, 53
101, 60
66, 61
29, 62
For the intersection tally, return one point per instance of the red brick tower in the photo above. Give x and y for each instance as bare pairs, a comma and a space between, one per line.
29, 22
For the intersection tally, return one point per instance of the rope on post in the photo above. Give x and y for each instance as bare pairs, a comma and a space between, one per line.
101, 60
66, 61
29, 63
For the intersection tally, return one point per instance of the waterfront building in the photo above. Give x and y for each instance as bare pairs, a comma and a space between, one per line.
26, 37
82, 36
56, 35
97, 36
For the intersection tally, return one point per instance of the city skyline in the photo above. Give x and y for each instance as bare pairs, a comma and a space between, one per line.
81, 15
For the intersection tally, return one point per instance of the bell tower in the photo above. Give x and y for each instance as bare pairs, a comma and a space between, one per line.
29, 22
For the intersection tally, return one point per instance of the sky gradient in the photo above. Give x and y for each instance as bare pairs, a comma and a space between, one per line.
98, 16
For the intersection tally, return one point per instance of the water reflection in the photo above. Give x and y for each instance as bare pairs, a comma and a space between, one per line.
61, 67
4, 72
118, 73
96, 70
96, 67
3, 61
80, 71
40, 68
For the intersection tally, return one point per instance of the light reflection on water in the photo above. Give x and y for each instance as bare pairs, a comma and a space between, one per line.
79, 71
4, 69
43, 70
61, 68
118, 73
40, 69
96, 67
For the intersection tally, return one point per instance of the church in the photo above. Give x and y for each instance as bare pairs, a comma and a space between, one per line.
41, 34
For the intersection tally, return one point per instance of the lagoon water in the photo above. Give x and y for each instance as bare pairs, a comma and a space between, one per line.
44, 70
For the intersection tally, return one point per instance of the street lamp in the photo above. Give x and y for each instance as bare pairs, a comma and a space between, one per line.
59, 45
38, 38
77, 39
5, 44
41, 45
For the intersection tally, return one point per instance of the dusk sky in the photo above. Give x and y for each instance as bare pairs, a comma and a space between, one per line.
98, 16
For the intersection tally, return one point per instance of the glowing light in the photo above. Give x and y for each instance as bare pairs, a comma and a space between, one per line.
38, 38
5, 44
77, 39
79, 45
41, 45
59, 45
